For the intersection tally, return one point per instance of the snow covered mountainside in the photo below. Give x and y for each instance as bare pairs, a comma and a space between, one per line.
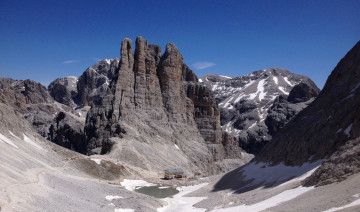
247, 101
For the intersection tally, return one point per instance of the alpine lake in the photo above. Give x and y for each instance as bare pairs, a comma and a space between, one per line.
157, 191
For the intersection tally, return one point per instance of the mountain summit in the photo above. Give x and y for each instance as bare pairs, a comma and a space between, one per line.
254, 106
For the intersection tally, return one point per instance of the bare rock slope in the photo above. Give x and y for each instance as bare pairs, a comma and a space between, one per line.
255, 106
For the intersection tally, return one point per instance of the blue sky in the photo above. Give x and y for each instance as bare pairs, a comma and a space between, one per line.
44, 40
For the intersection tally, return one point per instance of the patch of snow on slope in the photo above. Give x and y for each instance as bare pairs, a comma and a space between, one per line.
200, 80
287, 81
111, 197
249, 83
108, 61
283, 90
348, 129
213, 88
354, 203
269, 203
6, 140
261, 173
252, 96
298, 179
227, 104
225, 76
13, 135
253, 125
356, 87
348, 97
176, 146
275, 80
124, 210
132, 184
29, 141
96, 160
180, 203
261, 89
238, 98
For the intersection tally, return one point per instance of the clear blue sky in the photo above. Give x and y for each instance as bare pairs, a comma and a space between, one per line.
44, 40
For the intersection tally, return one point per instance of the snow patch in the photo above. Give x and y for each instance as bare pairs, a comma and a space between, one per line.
250, 83
13, 135
176, 146
276, 80
225, 76
283, 90
253, 125
96, 160
29, 141
111, 197
238, 98
354, 203
356, 87
269, 203
6, 140
261, 89
348, 129
348, 97
200, 80
180, 203
108, 61
298, 179
356, 195
132, 184
124, 210
163, 187
261, 173
287, 81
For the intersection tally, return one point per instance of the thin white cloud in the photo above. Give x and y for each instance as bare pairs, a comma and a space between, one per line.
96, 59
203, 65
71, 61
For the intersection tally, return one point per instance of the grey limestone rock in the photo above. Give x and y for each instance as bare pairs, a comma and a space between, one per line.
64, 90
155, 99
254, 107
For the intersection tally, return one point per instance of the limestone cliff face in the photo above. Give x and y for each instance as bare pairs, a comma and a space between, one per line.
155, 99
327, 124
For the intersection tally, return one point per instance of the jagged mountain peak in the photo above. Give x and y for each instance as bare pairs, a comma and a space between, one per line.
245, 102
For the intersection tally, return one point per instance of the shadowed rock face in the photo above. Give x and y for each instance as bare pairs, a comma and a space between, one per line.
327, 123
20, 93
30, 99
82, 91
64, 90
303, 92
156, 98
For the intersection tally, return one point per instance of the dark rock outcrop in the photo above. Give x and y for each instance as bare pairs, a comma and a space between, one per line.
20, 93
64, 90
303, 92
94, 82
342, 164
68, 131
328, 123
